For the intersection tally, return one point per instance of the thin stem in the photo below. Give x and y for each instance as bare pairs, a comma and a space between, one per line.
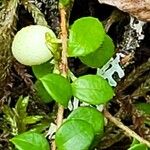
63, 67
64, 63
125, 128
64, 34
60, 113
59, 121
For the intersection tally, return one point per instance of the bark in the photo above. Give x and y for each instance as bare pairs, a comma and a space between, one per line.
137, 8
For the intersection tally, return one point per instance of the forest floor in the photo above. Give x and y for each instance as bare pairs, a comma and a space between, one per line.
132, 89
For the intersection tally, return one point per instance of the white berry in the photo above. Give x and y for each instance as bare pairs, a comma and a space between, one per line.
29, 45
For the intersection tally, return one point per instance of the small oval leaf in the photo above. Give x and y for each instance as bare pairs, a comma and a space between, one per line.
74, 134
58, 87
90, 115
42, 93
43, 69
139, 147
30, 140
100, 57
86, 35
92, 89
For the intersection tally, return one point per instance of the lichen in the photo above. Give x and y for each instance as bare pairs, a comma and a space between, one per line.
111, 67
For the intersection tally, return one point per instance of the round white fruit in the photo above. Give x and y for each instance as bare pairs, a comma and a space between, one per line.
29, 45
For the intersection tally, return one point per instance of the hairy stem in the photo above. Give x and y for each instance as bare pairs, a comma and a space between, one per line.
63, 24
63, 67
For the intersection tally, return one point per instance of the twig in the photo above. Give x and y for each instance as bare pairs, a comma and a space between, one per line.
59, 121
125, 128
63, 67
60, 115
64, 62
134, 75
115, 16
143, 88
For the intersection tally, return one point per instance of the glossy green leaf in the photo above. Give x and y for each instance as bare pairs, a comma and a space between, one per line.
30, 140
74, 134
90, 115
138, 147
144, 107
86, 36
58, 87
100, 57
43, 69
92, 89
42, 93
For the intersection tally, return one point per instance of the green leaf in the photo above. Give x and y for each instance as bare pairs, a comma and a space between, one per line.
32, 119
30, 140
21, 106
74, 134
65, 2
144, 107
86, 36
39, 128
92, 89
43, 69
101, 56
90, 115
147, 122
134, 142
52, 43
42, 93
138, 147
58, 87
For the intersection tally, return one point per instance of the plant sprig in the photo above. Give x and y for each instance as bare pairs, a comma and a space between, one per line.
37, 15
